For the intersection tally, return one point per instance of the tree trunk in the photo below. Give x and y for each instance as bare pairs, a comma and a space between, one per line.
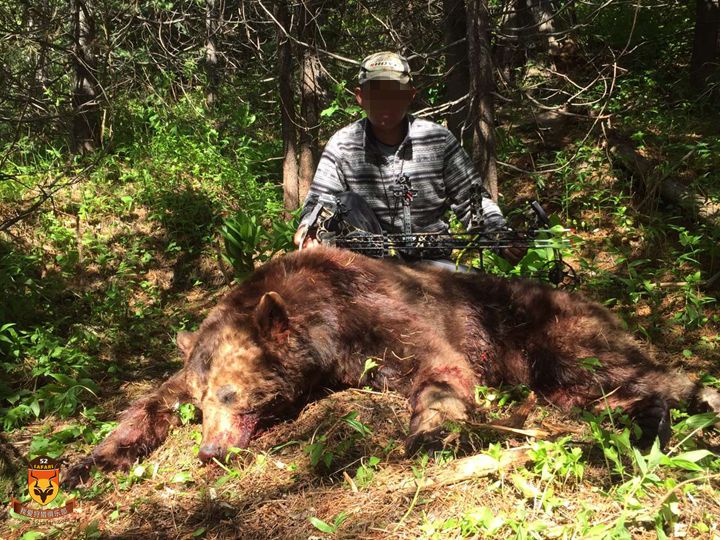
507, 45
482, 114
212, 70
527, 28
706, 42
86, 110
310, 90
456, 64
291, 181
543, 25
36, 23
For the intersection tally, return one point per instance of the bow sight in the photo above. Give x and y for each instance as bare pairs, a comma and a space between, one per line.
327, 221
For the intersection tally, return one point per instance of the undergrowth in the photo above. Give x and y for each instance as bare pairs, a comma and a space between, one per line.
82, 296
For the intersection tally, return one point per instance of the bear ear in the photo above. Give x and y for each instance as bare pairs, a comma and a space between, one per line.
185, 342
271, 316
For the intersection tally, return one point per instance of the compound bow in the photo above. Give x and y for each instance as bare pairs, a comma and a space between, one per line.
329, 227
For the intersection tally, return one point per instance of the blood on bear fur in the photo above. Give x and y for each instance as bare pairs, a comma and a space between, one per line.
309, 320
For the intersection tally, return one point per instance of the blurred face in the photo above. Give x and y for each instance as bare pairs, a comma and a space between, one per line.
385, 103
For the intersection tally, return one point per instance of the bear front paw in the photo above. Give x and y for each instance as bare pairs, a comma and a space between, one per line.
432, 420
78, 474
430, 441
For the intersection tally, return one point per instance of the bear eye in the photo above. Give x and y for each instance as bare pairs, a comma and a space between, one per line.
226, 394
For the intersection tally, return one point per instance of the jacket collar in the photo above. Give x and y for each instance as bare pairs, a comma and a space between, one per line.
368, 137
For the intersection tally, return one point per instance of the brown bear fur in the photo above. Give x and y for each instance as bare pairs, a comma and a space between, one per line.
310, 320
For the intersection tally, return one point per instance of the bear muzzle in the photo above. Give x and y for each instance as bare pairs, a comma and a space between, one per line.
215, 445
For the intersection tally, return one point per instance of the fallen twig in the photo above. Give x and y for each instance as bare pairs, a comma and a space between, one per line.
463, 469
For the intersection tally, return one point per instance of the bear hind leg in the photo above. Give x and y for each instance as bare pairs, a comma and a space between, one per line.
652, 415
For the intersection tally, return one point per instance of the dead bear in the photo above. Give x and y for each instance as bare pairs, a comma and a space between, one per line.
309, 320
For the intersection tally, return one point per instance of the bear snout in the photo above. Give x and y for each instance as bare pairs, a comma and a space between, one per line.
209, 451
222, 432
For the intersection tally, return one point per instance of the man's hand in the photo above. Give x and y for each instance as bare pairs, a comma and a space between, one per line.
513, 254
309, 240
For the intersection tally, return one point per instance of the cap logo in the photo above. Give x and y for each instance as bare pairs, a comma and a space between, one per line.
384, 65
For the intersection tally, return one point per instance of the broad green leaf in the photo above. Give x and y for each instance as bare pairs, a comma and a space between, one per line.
320, 525
656, 455
32, 535
528, 490
35, 407
181, 477
63, 379
694, 455
701, 421
640, 461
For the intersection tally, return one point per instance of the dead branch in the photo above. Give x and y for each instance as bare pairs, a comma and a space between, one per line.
463, 469
692, 204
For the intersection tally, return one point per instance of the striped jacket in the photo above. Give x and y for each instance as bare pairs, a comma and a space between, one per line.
438, 168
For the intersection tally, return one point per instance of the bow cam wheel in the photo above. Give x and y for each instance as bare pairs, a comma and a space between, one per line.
560, 274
